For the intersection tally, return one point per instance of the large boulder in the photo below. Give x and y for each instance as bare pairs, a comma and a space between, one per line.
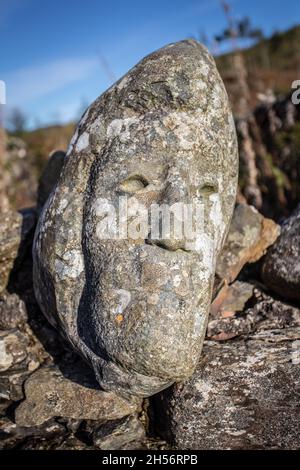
136, 305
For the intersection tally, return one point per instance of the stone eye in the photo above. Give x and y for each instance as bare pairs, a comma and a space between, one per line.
133, 184
208, 189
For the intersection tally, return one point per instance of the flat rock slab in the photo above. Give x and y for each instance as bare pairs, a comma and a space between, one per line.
243, 395
49, 394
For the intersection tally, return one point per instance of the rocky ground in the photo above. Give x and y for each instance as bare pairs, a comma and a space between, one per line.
243, 395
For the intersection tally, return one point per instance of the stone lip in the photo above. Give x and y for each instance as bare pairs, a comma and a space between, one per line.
164, 132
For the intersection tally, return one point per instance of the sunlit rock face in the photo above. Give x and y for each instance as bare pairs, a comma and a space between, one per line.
136, 306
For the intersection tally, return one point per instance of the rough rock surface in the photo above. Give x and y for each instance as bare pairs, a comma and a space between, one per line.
249, 236
28, 342
244, 393
15, 230
49, 394
10, 236
119, 434
281, 268
162, 134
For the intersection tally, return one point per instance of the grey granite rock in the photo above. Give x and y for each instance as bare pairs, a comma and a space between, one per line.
49, 394
12, 311
281, 268
137, 308
243, 395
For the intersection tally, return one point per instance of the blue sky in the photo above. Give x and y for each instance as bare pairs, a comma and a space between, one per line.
56, 56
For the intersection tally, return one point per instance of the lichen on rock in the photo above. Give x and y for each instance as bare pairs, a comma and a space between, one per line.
137, 309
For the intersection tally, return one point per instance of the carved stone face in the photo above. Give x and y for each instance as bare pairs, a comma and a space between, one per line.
137, 307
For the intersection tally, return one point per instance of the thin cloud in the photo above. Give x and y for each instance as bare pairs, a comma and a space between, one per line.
29, 84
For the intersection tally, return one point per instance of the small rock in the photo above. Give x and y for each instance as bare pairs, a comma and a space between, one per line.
231, 299
13, 348
114, 435
49, 393
263, 314
15, 228
12, 311
10, 237
250, 234
281, 268
48, 436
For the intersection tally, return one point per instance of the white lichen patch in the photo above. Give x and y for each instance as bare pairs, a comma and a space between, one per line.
200, 322
205, 246
62, 205
121, 128
177, 280
181, 124
123, 299
82, 142
124, 81
205, 388
216, 217
70, 265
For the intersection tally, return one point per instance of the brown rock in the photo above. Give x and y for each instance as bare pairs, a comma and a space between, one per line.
118, 434
10, 237
49, 393
250, 234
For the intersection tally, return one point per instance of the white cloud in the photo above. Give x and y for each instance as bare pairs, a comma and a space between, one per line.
30, 83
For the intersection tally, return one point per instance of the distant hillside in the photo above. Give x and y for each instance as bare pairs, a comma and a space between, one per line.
41, 142
273, 63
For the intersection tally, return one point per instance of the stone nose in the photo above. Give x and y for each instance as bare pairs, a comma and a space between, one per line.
167, 229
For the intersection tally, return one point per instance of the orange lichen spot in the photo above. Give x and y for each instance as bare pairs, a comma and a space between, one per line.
119, 318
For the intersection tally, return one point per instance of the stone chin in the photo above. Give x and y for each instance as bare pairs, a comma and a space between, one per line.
137, 310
